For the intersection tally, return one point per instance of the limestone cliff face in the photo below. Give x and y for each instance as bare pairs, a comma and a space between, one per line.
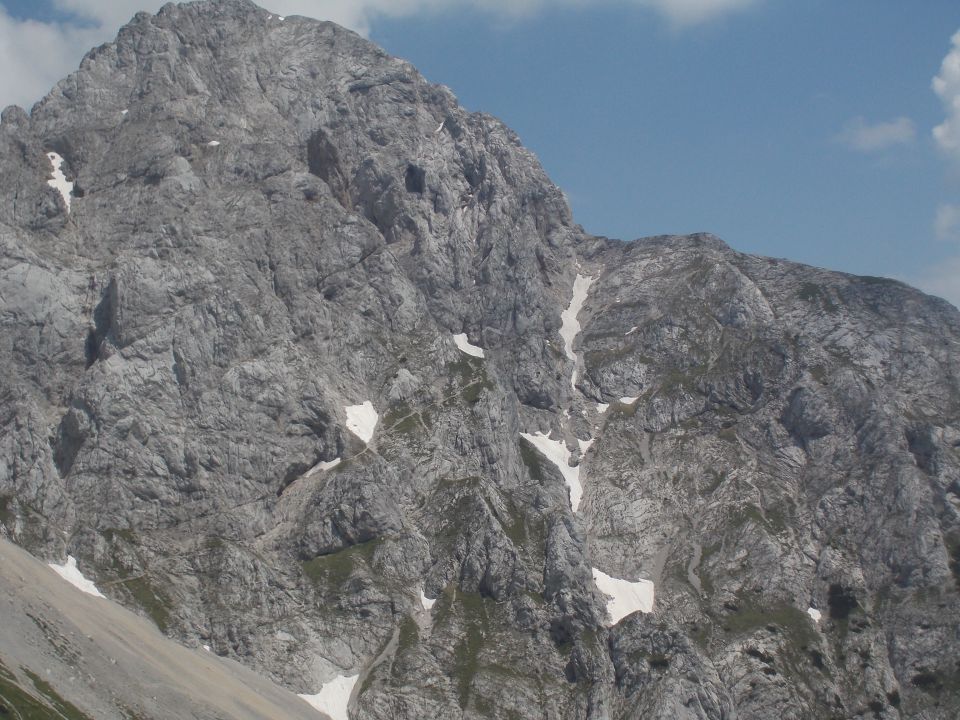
280, 239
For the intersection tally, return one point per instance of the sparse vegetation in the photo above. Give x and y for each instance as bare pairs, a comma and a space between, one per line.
819, 373
42, 703
409, 635
467, 652
472, 375
531, 458
151, 599
817, 294
125, 534
6, 514
336, 568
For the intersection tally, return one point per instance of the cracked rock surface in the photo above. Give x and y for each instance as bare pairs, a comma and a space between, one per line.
272, 222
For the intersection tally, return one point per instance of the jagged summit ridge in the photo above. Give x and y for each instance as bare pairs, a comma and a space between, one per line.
291, 376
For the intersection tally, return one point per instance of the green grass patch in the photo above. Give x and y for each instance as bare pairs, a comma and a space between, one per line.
151, 599
952, 543
472, 392
466, 655
63, 709
681, 380
467, 367
728, 435
531, 458
409, 635
15, 702
472, 374
750, 617
716, 480
809, 292
819, 373
815, 294
125, 534
706, 582
799, 649
408, 425
335, 569
396, 413
774, 520
401, 418
874, 280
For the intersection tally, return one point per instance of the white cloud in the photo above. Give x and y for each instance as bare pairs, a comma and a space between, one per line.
947, 223
947, 86
942, 279
862, 136
35, 55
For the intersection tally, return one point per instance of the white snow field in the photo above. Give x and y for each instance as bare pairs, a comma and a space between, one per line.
59, 181
556, 452
570, 326
361, 420
71, 573
815, 614
465, 346
626, 597
323, 466
426, 602
334, 697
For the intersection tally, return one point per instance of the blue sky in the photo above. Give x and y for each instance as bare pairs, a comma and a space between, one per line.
794, 129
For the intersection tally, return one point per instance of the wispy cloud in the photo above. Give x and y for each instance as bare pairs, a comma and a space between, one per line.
35, 55
947, 86
946, 226
942, 280
866, 137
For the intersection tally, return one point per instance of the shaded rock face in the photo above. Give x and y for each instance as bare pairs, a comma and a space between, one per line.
272, 221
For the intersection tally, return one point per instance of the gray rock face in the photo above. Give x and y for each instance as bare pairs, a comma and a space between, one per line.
273, 222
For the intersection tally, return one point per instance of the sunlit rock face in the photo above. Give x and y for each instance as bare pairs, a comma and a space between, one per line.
311, 366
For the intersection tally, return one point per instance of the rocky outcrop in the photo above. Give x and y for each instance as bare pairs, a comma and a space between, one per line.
273, 221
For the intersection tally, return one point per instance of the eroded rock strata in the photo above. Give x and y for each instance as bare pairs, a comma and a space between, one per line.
242, 386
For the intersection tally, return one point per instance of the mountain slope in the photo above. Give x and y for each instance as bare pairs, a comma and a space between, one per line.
273, 224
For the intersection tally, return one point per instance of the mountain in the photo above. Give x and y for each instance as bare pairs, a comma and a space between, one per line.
313, 367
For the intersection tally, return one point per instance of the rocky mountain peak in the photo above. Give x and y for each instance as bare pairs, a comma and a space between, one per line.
309, 365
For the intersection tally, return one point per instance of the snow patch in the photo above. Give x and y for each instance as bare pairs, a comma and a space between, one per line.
213, 143
631, 331
570, 326
815, 614
334, 697
71, 573
465, 346
323, 466
585, 445
602, 408
627, 400
426, 602
361, 420
626, 597
124, 112
207, 648
59, 181
556, 452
